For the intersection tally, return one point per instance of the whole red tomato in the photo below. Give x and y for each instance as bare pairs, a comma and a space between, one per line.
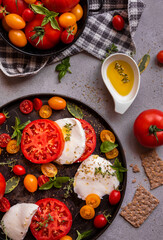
118, 22
19, 170
148, 128
2, 185
42, 37
14, 6
160, 57
60, 5
114, 197
67, 36
100, 221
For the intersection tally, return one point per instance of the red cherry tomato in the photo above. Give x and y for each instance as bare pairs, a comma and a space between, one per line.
160, 57
2, 185
100, 221
2, 118
4, 205
3, 12
19, 170
38, 3
4, 139
42, 179
28, 15
118, 22
26, 106
114, 197
67, 36
37, 104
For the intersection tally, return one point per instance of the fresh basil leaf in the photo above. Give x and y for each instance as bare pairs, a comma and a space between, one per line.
74, 110
62, 179
14, 134
48, 185
54, 23
107, 146
39, 9
61, 75
66, 61
18, 138
11, 184
117, 163
60, 67
17, 122
83, 235
45, 21
119, 176
57, 184
23, 125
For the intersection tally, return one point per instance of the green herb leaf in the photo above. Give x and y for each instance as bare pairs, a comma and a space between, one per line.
63, 68
74, 110
68, 188
62, 179
83, 235
18, 128
54, 23
107, 146
144, 61
39, 9
117, 166
11, 184
110, 50
48, 185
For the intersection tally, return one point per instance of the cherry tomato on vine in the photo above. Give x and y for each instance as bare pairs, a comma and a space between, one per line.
118, 22
4, 139
3, 12
67, 36
37, 104
4, 205
100, 221
19, 170
57, 103
42, 179
12, 147
67, 19
30, 183
17, 37
114, 197
26, 106
28, 15
2, 186
15, 21
3, 117
78, 12
160, 57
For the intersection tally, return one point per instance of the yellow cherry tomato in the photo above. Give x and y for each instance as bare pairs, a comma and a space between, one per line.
93, 200
49, 169
78, 12
30, 1
67, 19
12, 147
45, 111
15, 21
17, 37
66, 238
57, 103
30, 183
112, 154
87, 212
74, 28
4, 24
107, 135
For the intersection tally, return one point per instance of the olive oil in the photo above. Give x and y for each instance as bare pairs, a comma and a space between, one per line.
121, 76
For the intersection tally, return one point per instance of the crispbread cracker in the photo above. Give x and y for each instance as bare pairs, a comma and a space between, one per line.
153, 167
140, 208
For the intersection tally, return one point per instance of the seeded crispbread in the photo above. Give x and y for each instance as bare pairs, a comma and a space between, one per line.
140, 208
153, 167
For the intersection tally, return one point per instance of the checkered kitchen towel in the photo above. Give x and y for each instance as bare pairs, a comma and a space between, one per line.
97, 36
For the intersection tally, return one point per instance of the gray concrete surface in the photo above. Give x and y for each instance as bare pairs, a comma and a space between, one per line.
85, 84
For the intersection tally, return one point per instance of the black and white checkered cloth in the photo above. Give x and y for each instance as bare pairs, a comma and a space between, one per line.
95, 39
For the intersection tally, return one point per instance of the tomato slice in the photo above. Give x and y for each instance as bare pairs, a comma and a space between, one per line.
12, 147
4, 139
45, 111
42, 179
52, 220
26, 106
4, 205
112, 154
37, 104
107, 135
90, 140
49, 169
42, 141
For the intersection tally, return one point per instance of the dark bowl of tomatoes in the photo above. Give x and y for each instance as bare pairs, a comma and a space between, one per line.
28, 49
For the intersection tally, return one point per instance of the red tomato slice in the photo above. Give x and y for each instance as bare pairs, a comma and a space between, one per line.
56, 214
4, 205
42, 141
42, 179
26, 106
37, 104
90, 140
4, 139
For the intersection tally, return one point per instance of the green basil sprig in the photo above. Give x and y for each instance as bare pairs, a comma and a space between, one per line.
63, 68
83, 235
18, 128
11, 184
117, 166
107, 146
54, 182
50, 16
74, 110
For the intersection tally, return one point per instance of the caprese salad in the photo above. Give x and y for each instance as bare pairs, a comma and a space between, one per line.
53, 144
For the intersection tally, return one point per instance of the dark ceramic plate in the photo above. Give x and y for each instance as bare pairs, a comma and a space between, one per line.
20, 194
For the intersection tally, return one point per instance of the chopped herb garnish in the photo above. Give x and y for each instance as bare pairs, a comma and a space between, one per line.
68, 128
110, 50
120, 70
99, 171
68, 188
45, 222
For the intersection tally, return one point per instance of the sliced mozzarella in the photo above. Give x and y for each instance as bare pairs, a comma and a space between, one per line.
16, 221
95, 175
74, 136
